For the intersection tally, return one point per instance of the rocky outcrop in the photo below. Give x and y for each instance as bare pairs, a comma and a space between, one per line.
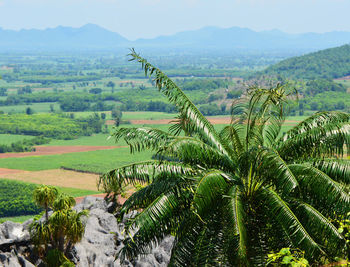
102, 240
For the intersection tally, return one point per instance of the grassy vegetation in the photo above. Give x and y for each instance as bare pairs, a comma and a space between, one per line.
93, 140
36, 107
7, 139
17, 219
95, 161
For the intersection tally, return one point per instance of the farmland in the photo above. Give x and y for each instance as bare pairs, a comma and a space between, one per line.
76, 102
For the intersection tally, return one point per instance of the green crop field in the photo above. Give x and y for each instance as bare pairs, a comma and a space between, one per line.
17, 199
95, 161
37, 108
17, 219
7, 139
93, 140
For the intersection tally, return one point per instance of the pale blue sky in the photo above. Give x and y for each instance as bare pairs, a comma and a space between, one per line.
150, 18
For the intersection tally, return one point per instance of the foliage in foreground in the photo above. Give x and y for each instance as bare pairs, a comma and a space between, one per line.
55, 235
287, 257
230, 198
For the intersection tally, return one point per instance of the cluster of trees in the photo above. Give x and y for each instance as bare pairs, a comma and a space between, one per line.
24, 90
230, 198
314, 87
326, 101
204, 84
46, 80
16, 199
24, 145
325, 64
49, 125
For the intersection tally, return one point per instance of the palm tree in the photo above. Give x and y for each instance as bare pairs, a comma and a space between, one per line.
230, 197
61, 230
44, 195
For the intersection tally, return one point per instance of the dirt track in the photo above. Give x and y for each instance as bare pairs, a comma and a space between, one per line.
52, 150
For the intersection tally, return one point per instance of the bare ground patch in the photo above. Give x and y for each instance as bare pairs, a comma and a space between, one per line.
57, 177
53, 150
4, 171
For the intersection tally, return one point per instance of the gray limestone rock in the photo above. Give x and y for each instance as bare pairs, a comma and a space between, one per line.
11, 259
102, 239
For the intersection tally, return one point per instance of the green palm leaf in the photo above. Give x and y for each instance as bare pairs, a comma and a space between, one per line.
318, 120
274, 168
280, 211
327, 140
187, 109
152, 224
322, 187
337, 169
194, 152
162, 184
142, 172
321, 229
210, 187
236, 231
143, 138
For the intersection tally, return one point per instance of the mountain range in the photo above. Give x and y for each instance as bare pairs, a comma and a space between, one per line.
94, 37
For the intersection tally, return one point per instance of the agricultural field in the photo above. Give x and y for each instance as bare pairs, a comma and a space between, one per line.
74, 101
17, 199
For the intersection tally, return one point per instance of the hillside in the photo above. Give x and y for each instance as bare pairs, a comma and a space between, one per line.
325, 64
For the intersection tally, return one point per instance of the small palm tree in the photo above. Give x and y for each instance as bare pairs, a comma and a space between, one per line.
59, 232
231, 197
44, 195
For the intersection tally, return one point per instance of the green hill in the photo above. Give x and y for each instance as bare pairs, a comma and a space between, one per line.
325, 64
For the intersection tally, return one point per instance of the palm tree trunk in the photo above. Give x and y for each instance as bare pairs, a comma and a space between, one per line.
61, 243
47, 212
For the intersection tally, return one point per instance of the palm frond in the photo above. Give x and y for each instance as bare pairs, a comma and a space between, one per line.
142, 138
142, 172
210, 187
156, 221
321, 187
275, 169
321, 229
280, 212
194, 152
272, 129
190, 230
328, 140
234, 135
319, 119
187, 109
146, 195
337, 169
235, 230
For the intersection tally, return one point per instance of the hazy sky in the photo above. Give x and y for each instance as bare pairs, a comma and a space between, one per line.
149, 18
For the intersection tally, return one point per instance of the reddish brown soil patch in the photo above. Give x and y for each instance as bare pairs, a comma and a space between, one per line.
57, 177
52, 150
